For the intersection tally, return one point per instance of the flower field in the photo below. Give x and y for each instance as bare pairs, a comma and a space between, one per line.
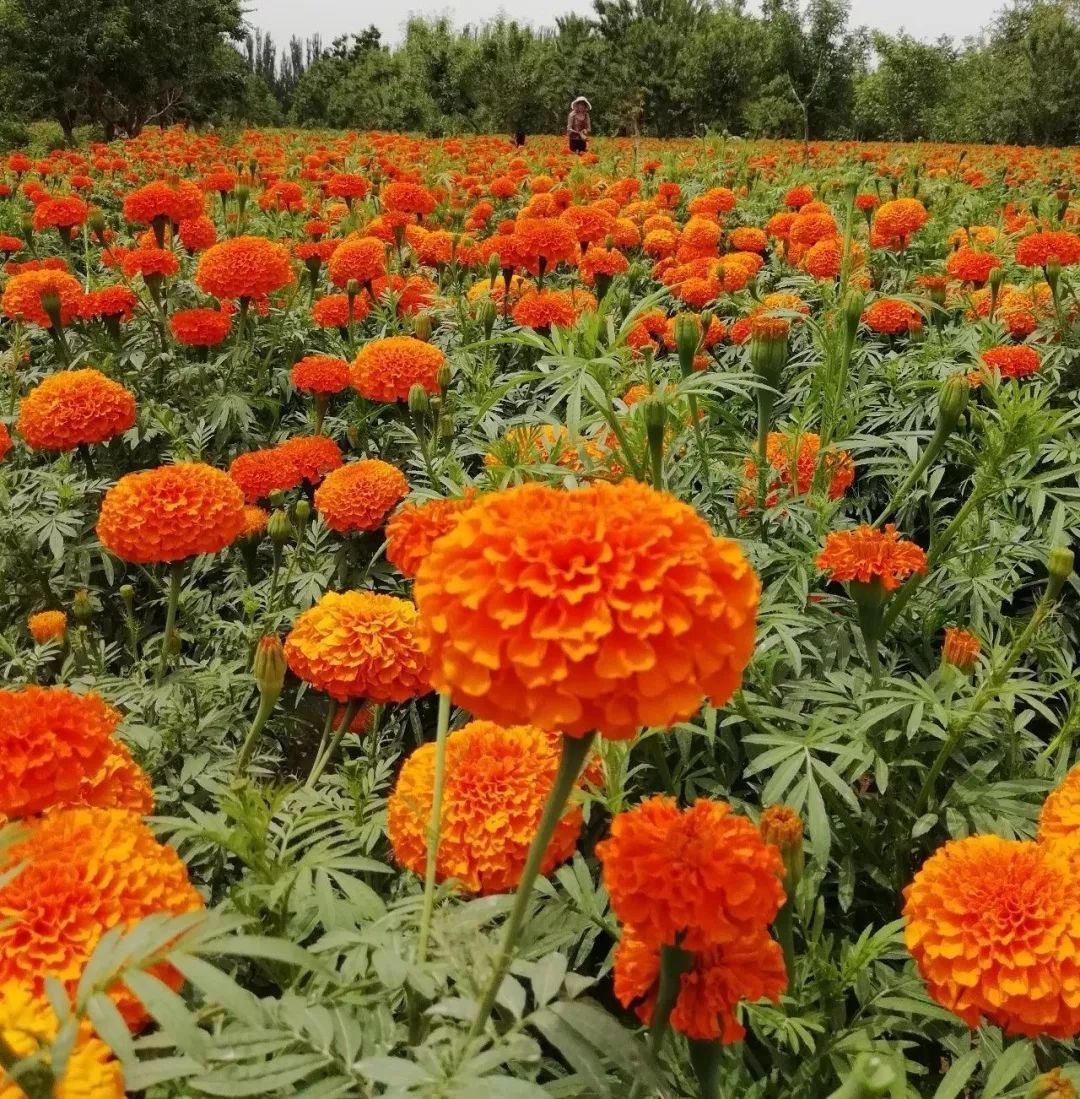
482, 622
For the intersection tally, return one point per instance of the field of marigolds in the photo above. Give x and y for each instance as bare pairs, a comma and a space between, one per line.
482, 623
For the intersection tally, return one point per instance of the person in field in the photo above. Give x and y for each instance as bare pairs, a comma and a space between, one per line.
578, 124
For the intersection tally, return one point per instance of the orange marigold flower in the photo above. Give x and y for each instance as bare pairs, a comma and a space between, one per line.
360, 495
119, 783
386, 369
312, 456
892, 317
589, 223
970, 265
333, 310
747, 238
897, 219
992, 926
363, 259
788, 468
47, 626
1060, 815
5, 442
546, 241
110, 301
401, 197
412, 531
255, 520
602, 261
346, 185
700, 877
51, 741
23, 294
74, 408
497, 781
749, 968
200, 327
261, 472
543, 309
86, 871
320, 374
1037, 249
169, 513
1013, 362
961, 649
357, 644
65, 212
150, 263
29, 1026
197, 234
244, 267
798, 196
178, 202
867, 555
566, 610
715, 201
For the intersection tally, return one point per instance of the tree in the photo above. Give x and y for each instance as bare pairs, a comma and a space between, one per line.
898, 100
116, 63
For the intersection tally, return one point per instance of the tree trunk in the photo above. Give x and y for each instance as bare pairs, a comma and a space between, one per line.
108, 129
805, 132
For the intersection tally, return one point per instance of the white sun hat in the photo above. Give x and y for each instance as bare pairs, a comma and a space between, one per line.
581, 99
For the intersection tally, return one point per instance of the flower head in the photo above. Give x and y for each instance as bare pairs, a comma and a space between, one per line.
200, 327
497, 781
867, 555
47, 626
359, 645
169, 513
244, 267
1060, 816
261, 472
74, 408
898, 219
311, 456
414, 528
570, 611
362, 260
320, 374
24, 292
961, 649
360, 495
386, 369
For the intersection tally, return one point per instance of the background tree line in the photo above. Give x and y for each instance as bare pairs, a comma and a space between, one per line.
797, 68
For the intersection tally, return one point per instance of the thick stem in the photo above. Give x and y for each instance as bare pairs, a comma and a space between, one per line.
176, 579
575, 751
785, 932
932, 450
765, 409
351, 710
705, 1057
266, 707
434, 827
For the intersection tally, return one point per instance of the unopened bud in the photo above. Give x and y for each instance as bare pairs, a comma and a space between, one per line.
952, 400
444, 376
961, 649
352, 288
50, 303
269, 666
1051, 1085
302, 512
419, 401
95, 222
27, 227
1053, 274
871, 1077
687, 341
422, 326
1060, 565
127, 597
783, 828
82, 608
277, 498
486, 314
278, 527
655, 413
493, 267
854, 301
769, 351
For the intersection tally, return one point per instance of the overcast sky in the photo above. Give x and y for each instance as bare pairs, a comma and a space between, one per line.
923, 18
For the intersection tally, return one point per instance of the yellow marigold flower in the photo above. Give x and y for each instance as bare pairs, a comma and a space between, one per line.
47, 626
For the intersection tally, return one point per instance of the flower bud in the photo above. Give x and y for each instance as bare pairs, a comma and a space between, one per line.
419, 402
961, 649
50, 303
269, 666
486, 314
95, 222
352, 288
871, 1076
1051, 1085
687, 341
82, 608
854, 301
277, 498
302, 512
127, 597
655, 412
278, 527
952, 400
783, 828
493, 267
769, 349
444, 376
1060, 565
422, 326
26, 225
1053, 274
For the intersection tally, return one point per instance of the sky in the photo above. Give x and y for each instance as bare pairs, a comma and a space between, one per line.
927, 19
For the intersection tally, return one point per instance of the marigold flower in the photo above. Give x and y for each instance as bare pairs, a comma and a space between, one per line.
47, 626
74, 408
1013, 362
992, 926
261, 472
119, 783
24, 292
798, 196
545, 309
151, 263
200, 327
412, 531
244, 267
312, 456
497, 782
386, 369
169, 513
355, 644
1060, 815
697, 877
110, 301
961, 649
255, 520
607, 262
5, 442
547, 241
749, 968
346, 185
363, 259
892, 317
786, 468
197, 234
970, 265
86, 871
867, 555
747, 238
178, 202
29, 1026
320, 374
899, 218
66, 212
360, 495
566, 610
407, 198
1037, 249
334, 310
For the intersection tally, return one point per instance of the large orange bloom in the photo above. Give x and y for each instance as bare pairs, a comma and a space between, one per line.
867, 555
87, 871
200, 327
1038, 249
363, 259
701, 877
892, 317
51, 742
793, 459
244, 267
1060, 816
180, 201
412, 531
749, 968
312, 456
1013, 362
992, 925
386, 369
402, 197
497, 781
547, 241
571, 611
898, 219
360, 495
261, 472
73, 408
29, 1026
24, 291
357, 644
65, 212
169, 513
320, 374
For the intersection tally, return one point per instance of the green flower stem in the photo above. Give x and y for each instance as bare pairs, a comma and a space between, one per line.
785, 932
705, 1057
765, 400
575, 751
434, 827
267, 702
933, 449
36, 1082
674, 962
985, 694
352, 708
176, 579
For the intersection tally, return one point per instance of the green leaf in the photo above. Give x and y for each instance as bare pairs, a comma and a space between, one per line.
1016, 1059
955, 1080
547, 978
395, 1071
